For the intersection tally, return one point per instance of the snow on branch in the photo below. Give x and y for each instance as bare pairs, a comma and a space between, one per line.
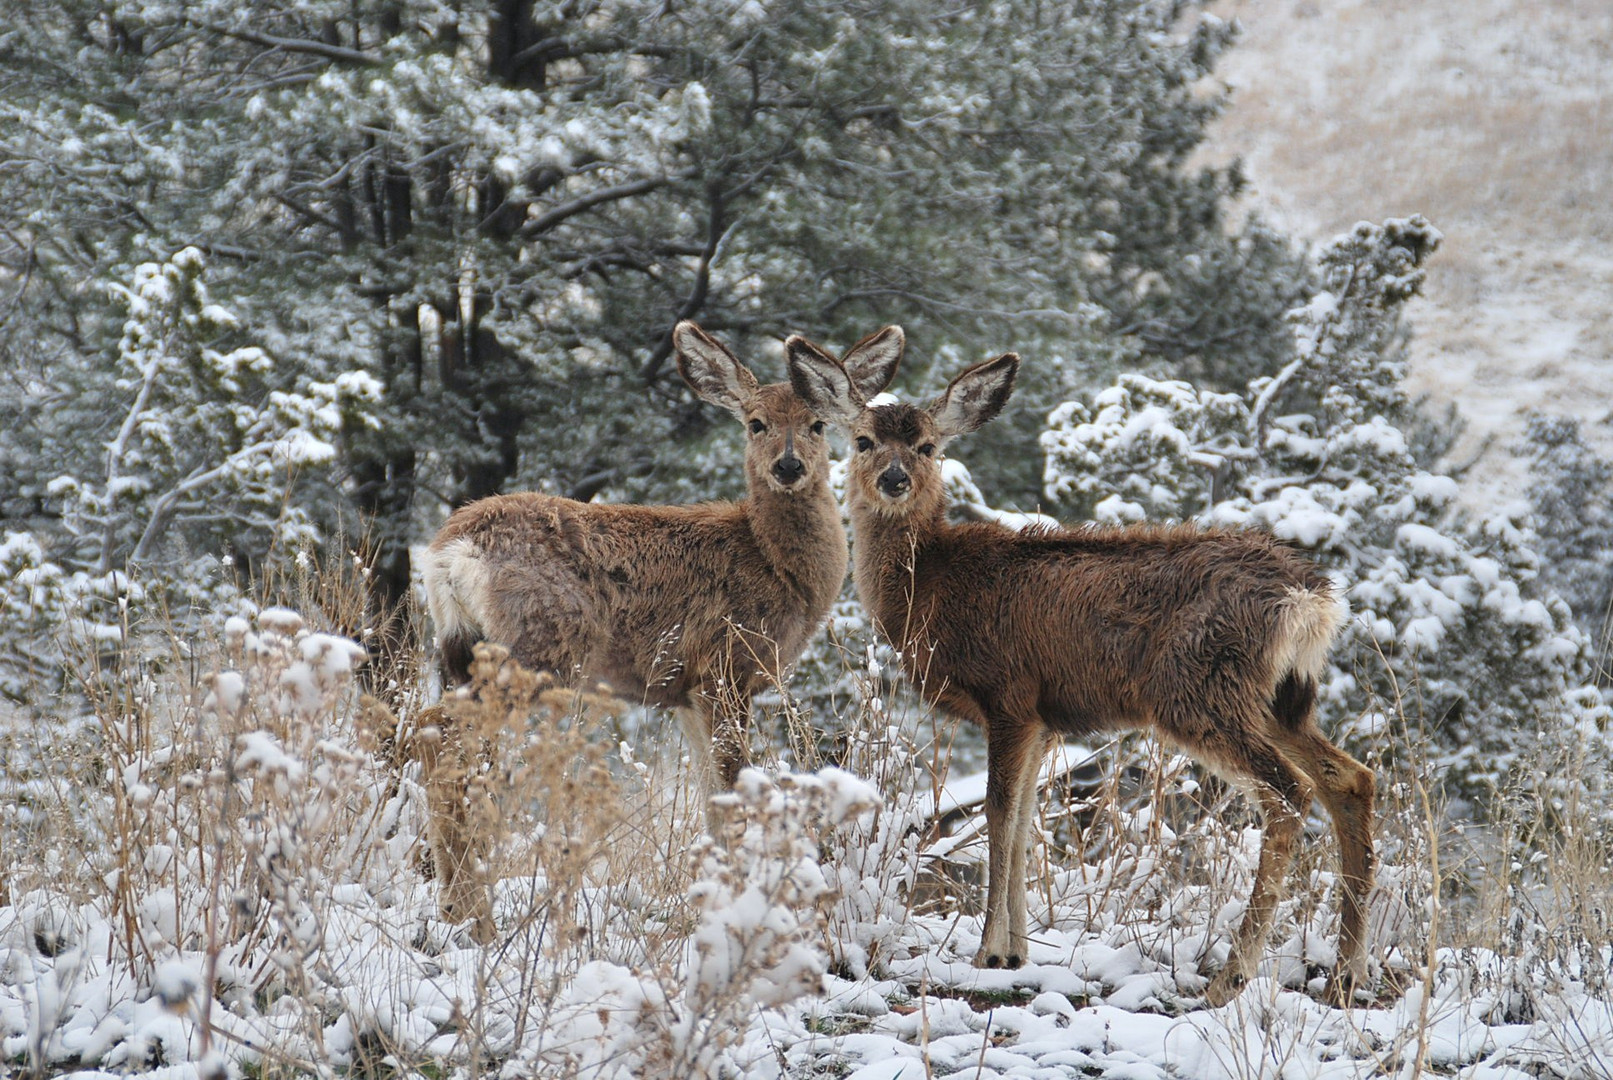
201, 421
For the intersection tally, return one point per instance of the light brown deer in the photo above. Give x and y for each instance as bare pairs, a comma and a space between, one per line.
689, 608
1213, 639
692, 608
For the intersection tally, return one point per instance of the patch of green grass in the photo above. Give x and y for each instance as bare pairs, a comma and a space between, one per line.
980, 1000
837, 1024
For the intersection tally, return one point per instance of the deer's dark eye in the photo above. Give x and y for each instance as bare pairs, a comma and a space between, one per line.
927, 449
757, 427
817, 427
864, 444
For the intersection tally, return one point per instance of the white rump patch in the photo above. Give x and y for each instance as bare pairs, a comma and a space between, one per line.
456, 589
1306, 625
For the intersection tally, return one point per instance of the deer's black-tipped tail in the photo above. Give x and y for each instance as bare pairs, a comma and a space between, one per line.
1293, 699
456, 652
1308, 620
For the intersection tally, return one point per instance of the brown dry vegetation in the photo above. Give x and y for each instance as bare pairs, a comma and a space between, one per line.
597, 848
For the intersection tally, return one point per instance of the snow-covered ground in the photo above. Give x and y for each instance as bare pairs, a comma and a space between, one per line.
1109, 991
1493, 118
246, 860
1106, 1000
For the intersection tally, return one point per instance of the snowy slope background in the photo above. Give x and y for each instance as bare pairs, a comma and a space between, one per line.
1496, 124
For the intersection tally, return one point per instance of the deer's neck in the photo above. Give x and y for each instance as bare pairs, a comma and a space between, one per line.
890, 555
801, 536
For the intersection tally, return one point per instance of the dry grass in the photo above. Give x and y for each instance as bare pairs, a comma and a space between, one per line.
257, 840
293, 867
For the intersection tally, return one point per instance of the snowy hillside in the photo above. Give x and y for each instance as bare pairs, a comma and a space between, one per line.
1495, 120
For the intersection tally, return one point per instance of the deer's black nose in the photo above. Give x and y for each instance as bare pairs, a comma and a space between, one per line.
894, 481
788, 469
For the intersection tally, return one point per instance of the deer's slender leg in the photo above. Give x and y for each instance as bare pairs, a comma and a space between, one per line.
1283, 795
455, 829
716, 729
1346, 788
1012, 747
1019, 871
695, 719
730, 736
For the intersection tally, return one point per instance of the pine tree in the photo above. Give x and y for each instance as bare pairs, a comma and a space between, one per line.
1571, 495
497, 210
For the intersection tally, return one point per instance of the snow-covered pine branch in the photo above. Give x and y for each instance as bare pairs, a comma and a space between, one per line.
202, 460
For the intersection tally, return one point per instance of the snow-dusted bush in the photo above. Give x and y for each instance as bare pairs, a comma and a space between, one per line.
203, 452
1571, 496
209, 441
755, 944
45, 608
235, 883
876, 860
1450, 622
214, 857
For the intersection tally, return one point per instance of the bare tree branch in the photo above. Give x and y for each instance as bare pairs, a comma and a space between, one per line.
569, 47
308, 213
550, 218
295, 45
716, 229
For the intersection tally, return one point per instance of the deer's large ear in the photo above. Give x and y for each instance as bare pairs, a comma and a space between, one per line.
715, 373
975, 396
822, 382
871, 362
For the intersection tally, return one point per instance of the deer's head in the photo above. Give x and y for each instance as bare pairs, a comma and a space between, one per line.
785, 449
896, 457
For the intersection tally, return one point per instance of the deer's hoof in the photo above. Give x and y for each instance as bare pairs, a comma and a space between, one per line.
994, 959
1224, 987
1347, 990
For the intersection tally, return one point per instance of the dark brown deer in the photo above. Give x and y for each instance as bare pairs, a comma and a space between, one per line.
692, 608
1213, 639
